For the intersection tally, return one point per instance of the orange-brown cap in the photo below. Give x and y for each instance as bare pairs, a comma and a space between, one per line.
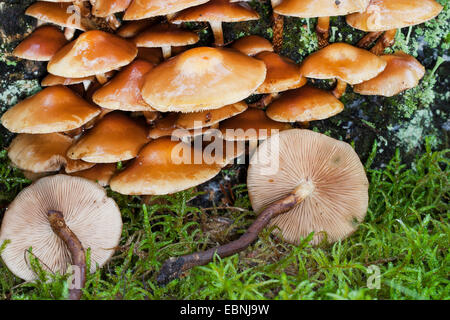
56, 13
52, 80
123, 92
402, 72
304, 104
252, 124
343, 61
197, 79
331, 172
104, 8
94, 52
282, 73
164, 166
151, 8
164, 127
152, 55
251, 45
41, 45
383, 15
54, 109
320, 8
165, 35
131, 29
100, 173
116, 137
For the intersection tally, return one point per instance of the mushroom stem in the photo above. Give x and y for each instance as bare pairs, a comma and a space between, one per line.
218, 32
69, 32
40, 23
166, 51
369, 38
173, 267
101, 78
75, 247
385, 41
278, 25
322, 28
113, 22
339, 90
264, 101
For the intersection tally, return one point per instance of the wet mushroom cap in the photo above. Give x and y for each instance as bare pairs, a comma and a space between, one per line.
332, 169
304, 104
252, 45
382, 15
104, 8
164, 127
162, 167
319, 8
165, 35
41, 45
93, 52
152, 8
401, 73
52, 80
197, 79
54, 109
116, 137
131, 29
343, 61
88, 212
100, 173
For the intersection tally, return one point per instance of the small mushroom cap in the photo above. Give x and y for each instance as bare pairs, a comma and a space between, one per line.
123, 92
339, 197
100, 173
220, 151
165, 35
56, 13
282, 73
104, 8
252, 45
116, 137
93, 52
304, 104
217, 11
252, 124
131, 29
52, 80
402, 72
41, 45
343, 61
159, 169
320, 8
93, 217
382, 15
54, 109
207, 118
197, 79
151, 8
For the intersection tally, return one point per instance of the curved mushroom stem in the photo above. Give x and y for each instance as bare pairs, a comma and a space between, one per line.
113, 22
278, 26
166, 51
173, 267
339, 90
264, 101
75, 247
385, 41
69, 32
218, 33
322, 28
101, 78
367, 40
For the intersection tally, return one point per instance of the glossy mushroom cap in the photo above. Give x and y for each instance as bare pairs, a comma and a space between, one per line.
131, 29
304, 104
252, 124
319, 8
93, 52
165, 35
114, 138
197, 79
151, 8
343, 61
54, 109
123, 92
164, 127
56, 13
252, 45
282, 73
382, 15
332, 171
41, 45
402, 72
52, 80
104, 8
88, 212
100, 173
162, 167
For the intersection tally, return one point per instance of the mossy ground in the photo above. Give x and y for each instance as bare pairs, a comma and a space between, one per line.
405, 234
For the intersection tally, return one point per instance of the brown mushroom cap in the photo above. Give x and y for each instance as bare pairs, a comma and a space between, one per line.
152, 8
282, 73
131, 29
196, 80
116, 137
319, 8
104, 8
196, 120
339, 197
252, 124
220, 151
343, 61
54, 109
165, 35
402, 72
304, 104
56, 13
123, 92
94, 52
100, 173
152, 55
252, 45
52, 80
159, 169
41, 45
88, 212
382, 15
